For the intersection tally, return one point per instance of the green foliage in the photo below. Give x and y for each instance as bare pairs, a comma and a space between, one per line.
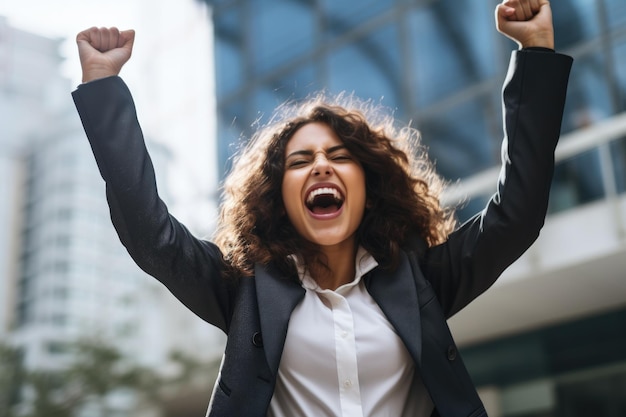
11, 374
95, 372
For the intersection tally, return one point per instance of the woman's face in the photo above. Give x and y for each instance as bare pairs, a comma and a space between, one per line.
323, 186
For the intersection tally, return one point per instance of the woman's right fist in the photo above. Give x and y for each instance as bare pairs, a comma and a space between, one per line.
103, 51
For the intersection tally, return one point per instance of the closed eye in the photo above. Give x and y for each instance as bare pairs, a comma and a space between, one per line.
341, 157
297, 163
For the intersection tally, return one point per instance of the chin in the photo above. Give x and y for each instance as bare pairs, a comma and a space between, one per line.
331, 240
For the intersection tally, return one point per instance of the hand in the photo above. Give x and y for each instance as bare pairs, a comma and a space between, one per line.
103, 51
527, 22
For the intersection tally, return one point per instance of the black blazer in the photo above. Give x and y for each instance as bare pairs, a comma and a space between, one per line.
429, 286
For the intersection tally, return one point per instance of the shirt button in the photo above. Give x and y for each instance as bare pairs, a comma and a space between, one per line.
347, 383
344, 334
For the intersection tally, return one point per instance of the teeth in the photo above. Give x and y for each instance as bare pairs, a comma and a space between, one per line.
320, 191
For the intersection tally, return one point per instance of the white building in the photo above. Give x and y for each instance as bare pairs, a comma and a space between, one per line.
63, 273
29, 82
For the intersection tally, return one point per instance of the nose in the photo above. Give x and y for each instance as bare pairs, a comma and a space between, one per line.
321, 166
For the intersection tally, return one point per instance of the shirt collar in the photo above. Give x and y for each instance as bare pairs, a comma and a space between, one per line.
364, 262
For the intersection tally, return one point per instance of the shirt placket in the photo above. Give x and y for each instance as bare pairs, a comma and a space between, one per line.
346, 355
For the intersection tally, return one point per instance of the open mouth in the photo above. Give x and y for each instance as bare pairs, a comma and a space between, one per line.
325, 200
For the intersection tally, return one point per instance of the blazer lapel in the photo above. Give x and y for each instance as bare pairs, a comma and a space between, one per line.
395, 293
277, 296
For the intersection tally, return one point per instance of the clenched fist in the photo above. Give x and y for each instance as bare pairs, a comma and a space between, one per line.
527, 22
103, 51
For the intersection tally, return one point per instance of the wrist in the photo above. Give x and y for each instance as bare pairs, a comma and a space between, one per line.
541, 41
96, 74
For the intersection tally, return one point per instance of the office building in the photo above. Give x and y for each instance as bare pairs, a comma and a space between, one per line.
28, 82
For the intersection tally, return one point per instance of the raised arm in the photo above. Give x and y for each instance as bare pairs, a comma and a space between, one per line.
533, 97
190, 268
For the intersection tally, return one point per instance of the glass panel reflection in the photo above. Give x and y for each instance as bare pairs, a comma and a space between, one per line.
577, 180
589, 92
615, 13
368, 67
344, 15
619, 60
280, 31
449, 53
229, 64
574, 21
618, 152
459, 141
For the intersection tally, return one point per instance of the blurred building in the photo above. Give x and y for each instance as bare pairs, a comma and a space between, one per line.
550, 338
64, 275
28, 78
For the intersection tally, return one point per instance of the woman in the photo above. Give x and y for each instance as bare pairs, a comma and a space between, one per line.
334, 268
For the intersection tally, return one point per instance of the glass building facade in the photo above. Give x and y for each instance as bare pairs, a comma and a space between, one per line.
432, 67
440, 64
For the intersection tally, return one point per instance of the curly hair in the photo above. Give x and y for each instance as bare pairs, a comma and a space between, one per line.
402, 188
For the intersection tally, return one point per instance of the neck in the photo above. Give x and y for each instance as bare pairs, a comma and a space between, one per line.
340, 268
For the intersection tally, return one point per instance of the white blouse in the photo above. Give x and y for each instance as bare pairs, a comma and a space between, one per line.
342, 357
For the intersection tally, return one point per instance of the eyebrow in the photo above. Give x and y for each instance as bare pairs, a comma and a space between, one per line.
309, 153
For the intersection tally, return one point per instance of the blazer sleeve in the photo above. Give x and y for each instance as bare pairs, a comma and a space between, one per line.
477, 253
190, 268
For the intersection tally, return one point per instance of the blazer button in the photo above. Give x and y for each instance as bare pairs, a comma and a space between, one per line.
452, 352
257, 340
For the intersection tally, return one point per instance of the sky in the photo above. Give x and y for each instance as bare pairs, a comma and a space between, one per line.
65, 18
169, 74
